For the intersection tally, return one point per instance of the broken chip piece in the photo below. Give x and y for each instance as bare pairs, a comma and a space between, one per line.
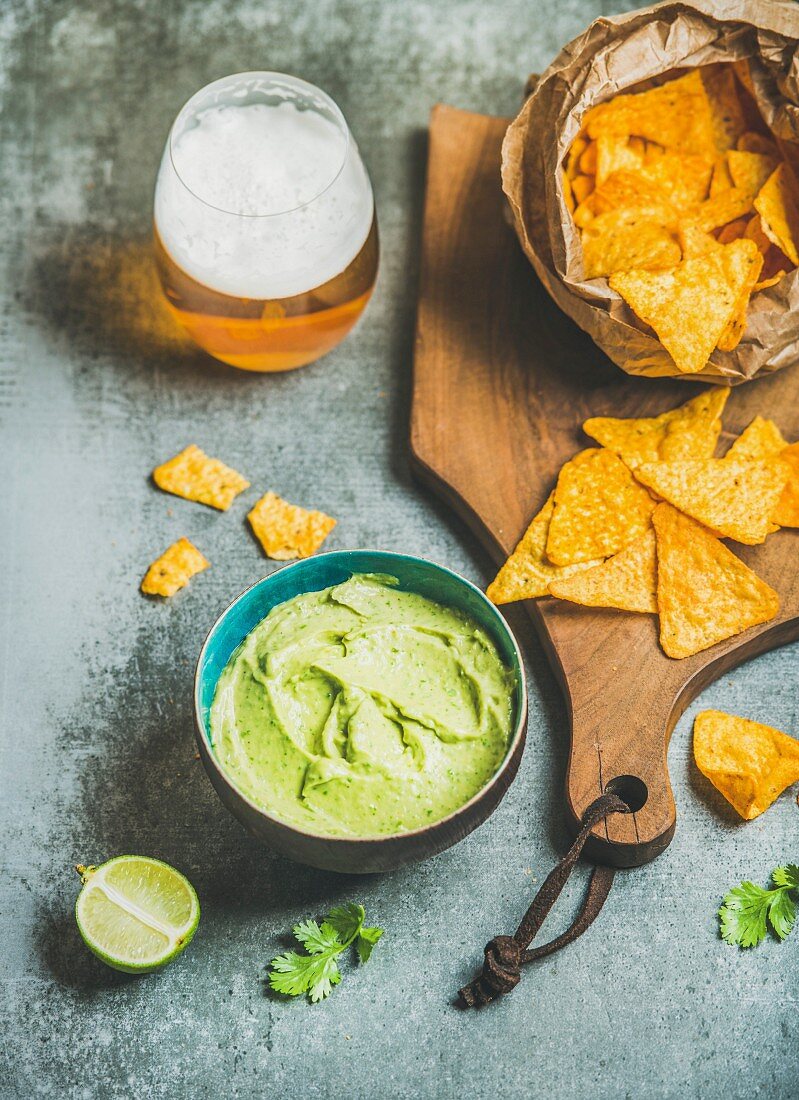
174, 569
705, 593
195, 476
734, 498
749, 763
286, 531
527, 573
599, 508
689, 431
627, 581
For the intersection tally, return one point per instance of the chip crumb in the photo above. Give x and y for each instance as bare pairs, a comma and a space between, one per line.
286, 531
174, 569
194, 476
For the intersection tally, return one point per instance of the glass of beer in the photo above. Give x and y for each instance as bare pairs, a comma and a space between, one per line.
265, 231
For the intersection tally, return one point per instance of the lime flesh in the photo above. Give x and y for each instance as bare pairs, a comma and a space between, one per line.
136, 913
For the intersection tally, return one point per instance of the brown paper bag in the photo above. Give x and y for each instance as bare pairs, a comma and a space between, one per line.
613, 55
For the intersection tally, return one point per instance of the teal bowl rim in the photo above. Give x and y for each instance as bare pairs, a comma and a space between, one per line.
519, 720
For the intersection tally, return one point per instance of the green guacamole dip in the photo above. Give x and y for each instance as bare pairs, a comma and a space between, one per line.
362, 710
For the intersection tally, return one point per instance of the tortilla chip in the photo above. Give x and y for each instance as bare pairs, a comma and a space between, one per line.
527, 573
599, 508
174, 569
778, 207
736, 326
613, 153
624, 189
732, 231
721, 180
754, 232
683, 178
760, 439
627, 581
578, 147
734, 498
750, 142
751, 764
689, 431
695, 242
725, 106
623, 239
286, 531
582, 186
588, 160
786, 514
724, 207
764, 284
585, 211
195, 476
705, 593
690, 306
676, 115
750, 171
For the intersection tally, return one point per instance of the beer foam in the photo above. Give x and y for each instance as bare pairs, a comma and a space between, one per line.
261, 201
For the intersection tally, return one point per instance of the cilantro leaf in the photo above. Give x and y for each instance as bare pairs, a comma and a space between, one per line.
347, 920
316, 972
295, 974
782, 913
314, 939
367, 938
786, 876
748, 910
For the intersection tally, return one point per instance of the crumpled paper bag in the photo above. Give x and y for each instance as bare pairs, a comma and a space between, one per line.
612, 55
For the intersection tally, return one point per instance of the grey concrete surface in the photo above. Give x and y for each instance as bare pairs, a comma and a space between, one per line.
97, 752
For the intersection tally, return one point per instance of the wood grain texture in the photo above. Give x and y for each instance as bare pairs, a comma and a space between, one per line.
502, 384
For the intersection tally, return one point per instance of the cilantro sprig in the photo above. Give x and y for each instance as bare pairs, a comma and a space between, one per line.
748, 910
316, 972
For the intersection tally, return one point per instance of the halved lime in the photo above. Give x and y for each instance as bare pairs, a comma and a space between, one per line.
136, 913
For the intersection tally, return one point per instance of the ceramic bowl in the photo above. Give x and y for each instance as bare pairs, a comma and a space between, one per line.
368, 854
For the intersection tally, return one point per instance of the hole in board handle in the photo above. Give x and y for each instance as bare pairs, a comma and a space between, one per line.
630, 789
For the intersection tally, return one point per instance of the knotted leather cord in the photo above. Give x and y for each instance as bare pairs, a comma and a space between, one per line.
505, 955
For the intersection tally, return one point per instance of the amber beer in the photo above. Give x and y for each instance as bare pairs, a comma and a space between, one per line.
265, 233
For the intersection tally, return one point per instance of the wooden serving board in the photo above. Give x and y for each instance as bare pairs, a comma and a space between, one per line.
502, 382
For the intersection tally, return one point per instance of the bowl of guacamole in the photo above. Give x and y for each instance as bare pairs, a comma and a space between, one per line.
359, 710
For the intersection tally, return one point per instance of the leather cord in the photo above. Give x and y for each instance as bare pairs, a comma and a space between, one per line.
505, 955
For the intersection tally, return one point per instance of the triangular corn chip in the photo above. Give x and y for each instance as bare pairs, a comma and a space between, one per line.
736, 326
696, 242
705, 593
751, 764
623, 239
624, 189
725, 106
760, 439
684, 179
195, 476
599, 508
676, 115
723, 207
786, 514
578, 147
721, 180
582, 187
173, 570
734, 498
778, 206
588, 159
750, 171
689, 431
286, 531
628, 580
527, 573
614, 152
690, 306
